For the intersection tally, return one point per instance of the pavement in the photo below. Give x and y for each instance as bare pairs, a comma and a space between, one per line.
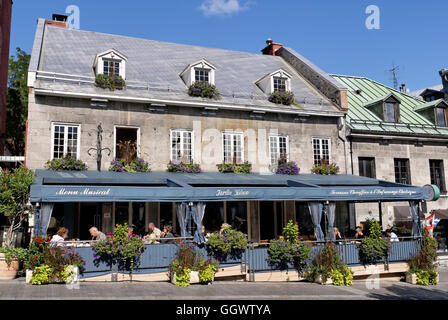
371, 289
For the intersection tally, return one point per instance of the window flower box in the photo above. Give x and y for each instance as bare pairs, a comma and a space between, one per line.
67, 163
239, 168
325, 168
104, 81
283, 97
182, 167
203, 89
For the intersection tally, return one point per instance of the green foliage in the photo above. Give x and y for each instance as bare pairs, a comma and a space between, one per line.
342, 276
105, 81
424, 263
374, 246
204, 89
187, 258
283, 97
240, 168
325, 168
289, 250
227, 242
17, 102
14, 254
120, 246
36, 250
425, 277
183, 278
176, 166
137, 165
41, 275
66, 163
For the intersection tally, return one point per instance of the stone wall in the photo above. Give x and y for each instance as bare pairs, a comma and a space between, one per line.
155, 132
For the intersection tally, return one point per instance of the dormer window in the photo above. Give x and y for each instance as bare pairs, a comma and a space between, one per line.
435, 111
201, 70
387, 108
111, 63
278, 80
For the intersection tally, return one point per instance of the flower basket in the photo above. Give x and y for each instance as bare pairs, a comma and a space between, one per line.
283, 97
137, 165
67, 163
182, 167
203, 89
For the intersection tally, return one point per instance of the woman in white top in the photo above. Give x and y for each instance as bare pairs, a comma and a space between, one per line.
59, 237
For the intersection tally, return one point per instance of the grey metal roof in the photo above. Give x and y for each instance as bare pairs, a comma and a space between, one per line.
153, 68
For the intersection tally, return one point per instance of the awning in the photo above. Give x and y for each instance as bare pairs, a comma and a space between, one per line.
94, 186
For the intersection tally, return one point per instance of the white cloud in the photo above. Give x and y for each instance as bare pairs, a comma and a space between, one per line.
223, 7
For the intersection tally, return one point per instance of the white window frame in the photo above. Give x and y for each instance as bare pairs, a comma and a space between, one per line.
320, 147
233, 134
110, 55
182, 131
277, 137
126, 127
65, 125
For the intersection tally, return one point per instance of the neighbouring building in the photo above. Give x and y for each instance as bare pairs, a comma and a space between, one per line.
5, 31
396, 137
435, 92
155, 111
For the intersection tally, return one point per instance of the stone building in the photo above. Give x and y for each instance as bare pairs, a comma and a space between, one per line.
155, 111
396, 137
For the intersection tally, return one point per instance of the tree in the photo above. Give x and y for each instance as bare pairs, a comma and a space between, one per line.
17, 103
14, 197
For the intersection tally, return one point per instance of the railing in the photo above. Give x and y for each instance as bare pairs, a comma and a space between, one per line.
156, 258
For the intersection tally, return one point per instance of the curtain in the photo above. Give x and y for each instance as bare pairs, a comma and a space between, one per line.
45, 215
331, 208
182, 217
198, 215
316, 217
416, 230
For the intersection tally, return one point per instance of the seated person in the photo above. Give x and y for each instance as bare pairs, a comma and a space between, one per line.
166, 235
59, 238
96, 234
393, 237
154, 233
358, 235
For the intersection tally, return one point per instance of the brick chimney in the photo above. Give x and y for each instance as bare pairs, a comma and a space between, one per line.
271, 47
59, 20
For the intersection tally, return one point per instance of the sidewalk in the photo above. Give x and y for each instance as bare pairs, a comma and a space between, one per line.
364, 290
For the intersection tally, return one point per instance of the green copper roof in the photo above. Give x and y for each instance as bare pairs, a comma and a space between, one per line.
362, 91
431, 104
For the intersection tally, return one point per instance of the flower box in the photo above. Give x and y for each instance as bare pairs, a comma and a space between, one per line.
194, 277
412, 278
319, 279
74, 278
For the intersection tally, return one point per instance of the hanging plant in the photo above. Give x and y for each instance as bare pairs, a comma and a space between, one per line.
283, 97
179, 166
66, 163
105, 81
374, 246
284, 166
203, 89
226, 242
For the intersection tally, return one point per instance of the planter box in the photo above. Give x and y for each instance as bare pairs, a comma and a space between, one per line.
319, 280
29, 275
412, 278
194, 277
8, 272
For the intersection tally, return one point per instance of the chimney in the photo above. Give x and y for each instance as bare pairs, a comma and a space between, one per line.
403, 88
444, 75
271, 47
59, 20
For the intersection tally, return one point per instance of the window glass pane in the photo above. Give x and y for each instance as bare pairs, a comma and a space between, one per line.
321, 150
441, 117
390, 112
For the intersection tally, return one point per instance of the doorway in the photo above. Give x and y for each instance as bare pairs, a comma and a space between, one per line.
126, 142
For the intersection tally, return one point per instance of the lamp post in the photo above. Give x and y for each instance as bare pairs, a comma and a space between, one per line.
99, 149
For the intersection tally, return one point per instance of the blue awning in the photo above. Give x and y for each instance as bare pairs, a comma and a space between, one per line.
94, 186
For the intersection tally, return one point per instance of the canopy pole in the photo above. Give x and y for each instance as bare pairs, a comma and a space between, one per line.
380, 211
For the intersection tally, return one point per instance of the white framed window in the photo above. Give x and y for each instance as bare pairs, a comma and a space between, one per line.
278, 145
233, 148
280, 84
201, 70
182, 145
201, 75
279, 80
321, 150
111, 67
65, 140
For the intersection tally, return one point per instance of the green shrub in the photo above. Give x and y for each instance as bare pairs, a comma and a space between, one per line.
423, 264
228, 242
105, 81
204, 89
14, 253
240, 168
66, 163
225, 167
374, 246
41, 275
283, 97
207, 274
325, 168
183, 278
342, 276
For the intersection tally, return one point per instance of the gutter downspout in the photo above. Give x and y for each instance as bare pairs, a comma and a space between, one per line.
341, 126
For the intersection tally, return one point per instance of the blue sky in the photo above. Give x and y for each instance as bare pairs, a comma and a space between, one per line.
332, 34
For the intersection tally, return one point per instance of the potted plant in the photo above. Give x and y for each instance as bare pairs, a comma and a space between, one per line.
283, 97
137, 165
10, 259
227, 242
283, 166
203, 89
329, 268
189, 267
120, 247
374, 246
66, 163
289, 250
183, 167
105, 81
422, 267
325, 168
239, 168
